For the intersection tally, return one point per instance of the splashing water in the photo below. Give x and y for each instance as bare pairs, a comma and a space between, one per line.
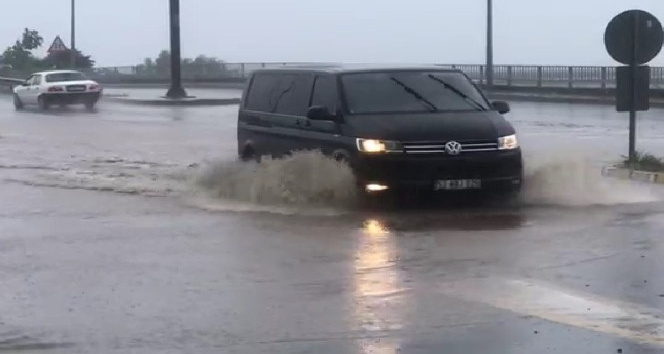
309, 182
568, 179
311, 179
302, 179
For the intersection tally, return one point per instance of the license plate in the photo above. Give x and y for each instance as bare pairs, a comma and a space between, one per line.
76, 88
457, 184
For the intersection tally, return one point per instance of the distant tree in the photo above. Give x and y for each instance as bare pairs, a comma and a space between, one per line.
31, 39
19, 55
62, 60
163, 62
147, 68
148, 63
201, 66
19, 58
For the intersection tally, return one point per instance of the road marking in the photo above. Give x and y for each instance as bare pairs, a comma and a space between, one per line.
626, 320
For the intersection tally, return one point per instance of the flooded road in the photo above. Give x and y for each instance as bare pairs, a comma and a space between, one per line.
134, 230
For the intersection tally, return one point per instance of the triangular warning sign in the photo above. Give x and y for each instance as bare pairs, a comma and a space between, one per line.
57, 46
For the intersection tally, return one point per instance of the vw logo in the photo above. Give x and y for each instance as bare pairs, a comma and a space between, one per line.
453, 148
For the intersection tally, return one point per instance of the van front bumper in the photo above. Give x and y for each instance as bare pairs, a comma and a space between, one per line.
497, 170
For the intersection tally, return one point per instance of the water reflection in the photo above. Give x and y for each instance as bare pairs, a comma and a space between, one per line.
457, 220
378, 294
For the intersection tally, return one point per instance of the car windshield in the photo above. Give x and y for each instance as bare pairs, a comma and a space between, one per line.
63, 77
413, 91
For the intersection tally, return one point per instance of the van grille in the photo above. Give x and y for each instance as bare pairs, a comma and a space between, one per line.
438, 147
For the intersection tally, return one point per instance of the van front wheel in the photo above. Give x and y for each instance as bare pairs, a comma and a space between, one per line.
249, 154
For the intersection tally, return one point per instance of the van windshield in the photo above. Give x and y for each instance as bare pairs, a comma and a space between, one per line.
411, 91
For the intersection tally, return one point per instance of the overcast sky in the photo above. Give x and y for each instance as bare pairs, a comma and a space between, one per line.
123, 32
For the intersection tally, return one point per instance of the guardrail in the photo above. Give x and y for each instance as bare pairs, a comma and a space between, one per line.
9, 82
554, 76
504, 75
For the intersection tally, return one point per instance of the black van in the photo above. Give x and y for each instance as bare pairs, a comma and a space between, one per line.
426, 127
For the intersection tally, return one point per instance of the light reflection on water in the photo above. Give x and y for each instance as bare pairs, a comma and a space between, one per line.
378, 294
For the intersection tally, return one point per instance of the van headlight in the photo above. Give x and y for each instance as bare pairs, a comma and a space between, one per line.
509, 142
378, 146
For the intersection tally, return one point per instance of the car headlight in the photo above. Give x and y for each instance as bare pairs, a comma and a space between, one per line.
509, 142
378, 146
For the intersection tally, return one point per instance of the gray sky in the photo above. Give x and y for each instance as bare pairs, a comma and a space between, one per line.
123, 32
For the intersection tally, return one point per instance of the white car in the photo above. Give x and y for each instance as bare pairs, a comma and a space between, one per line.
61, 87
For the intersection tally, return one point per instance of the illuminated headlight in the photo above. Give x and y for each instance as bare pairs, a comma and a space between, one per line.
378, 146
375, 187
509, 142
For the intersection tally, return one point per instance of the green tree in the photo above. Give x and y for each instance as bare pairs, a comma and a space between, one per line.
19, 55
147, 68
19, 58
148, 63
163, 62
31, 39
199, 67
62, 60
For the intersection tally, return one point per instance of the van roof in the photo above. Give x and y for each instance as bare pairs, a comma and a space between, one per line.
353, 68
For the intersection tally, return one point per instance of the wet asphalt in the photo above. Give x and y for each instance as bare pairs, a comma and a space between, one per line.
104, 249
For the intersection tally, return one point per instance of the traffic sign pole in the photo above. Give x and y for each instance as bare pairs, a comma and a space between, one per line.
632, 111
633, 38
72, 53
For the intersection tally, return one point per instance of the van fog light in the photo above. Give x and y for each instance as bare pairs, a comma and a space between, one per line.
373, 187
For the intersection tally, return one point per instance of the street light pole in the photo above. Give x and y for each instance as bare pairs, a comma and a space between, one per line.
489, 45
72, 53
176, 90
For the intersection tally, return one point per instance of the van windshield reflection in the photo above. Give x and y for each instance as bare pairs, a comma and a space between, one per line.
410, 92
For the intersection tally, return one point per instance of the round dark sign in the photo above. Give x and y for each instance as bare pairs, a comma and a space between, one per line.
634, 35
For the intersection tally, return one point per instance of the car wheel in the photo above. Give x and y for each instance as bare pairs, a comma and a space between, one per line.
90, 105
43, 103
17, 103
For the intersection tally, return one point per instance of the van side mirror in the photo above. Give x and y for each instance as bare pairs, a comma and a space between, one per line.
319, 113
501, 106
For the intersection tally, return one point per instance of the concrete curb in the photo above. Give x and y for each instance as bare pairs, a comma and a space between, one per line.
181, 102
641, 176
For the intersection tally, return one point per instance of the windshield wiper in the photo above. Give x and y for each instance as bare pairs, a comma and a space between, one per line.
432, 107
458, 92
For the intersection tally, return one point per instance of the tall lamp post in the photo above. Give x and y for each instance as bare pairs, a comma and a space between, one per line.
176, 90
489, 44
72, 52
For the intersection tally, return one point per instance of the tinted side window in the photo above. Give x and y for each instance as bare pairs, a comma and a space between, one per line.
325, 93
261, 89
293, 96
280, 93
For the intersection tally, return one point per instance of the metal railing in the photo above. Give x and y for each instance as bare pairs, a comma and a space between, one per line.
553, 76
504, 75
204, 72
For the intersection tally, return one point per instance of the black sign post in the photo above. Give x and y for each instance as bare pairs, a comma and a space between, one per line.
633, 38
